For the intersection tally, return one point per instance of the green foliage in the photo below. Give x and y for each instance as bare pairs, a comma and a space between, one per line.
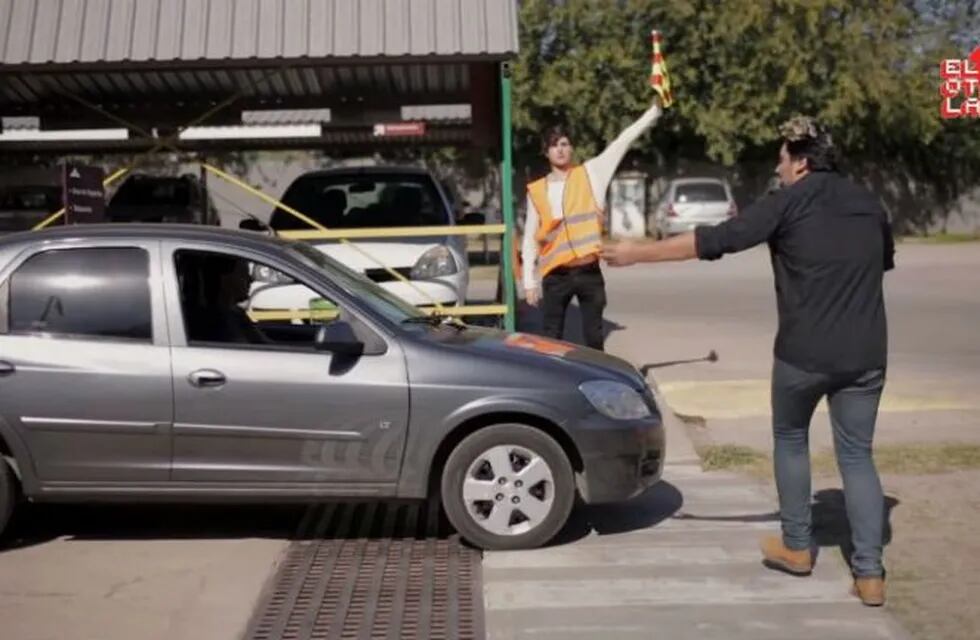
868, 70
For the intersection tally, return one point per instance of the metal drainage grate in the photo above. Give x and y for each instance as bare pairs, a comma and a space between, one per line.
374, 571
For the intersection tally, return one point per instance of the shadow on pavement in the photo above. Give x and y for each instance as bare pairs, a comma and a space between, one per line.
36, 524
830, 525
659, 503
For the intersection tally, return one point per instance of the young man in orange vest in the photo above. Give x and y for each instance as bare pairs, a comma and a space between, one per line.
563, 230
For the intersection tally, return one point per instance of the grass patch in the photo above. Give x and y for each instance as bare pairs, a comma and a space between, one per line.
942, 238
729, 456
911, 459
921, 459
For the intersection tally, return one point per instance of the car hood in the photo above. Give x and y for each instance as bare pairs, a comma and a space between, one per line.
365, 255
526, 350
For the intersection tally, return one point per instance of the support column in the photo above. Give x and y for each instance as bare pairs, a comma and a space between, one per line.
507, 200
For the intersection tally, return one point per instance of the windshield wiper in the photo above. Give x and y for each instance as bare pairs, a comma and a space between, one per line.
431, 320
436, 321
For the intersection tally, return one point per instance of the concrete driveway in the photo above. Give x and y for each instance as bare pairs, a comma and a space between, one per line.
679, 562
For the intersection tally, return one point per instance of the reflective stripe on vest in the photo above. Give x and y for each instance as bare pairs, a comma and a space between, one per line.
578, 233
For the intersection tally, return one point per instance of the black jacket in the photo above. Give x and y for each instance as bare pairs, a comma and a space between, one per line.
830, 243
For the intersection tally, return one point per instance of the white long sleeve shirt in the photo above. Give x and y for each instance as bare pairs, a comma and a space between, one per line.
600, 170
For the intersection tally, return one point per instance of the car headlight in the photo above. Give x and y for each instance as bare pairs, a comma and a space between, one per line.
435, 262
262, 273
615, 399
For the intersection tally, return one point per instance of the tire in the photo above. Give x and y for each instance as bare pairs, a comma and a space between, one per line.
546, 493
8, 493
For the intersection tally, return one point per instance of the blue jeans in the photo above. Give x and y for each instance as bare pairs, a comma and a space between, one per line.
853, 400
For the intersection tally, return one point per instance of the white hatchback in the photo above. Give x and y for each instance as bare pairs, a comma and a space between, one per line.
436, 267
689, 202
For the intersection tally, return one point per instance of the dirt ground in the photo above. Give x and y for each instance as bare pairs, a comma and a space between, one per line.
933, 555
932, 544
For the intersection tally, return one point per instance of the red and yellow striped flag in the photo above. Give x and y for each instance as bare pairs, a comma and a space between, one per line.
659, 78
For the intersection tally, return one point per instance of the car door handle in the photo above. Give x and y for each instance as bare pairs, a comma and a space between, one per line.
7, 368
206, 378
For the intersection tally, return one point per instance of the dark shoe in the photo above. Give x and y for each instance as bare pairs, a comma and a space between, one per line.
871, 591
778, 556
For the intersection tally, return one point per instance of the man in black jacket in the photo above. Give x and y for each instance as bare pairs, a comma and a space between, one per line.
830, 243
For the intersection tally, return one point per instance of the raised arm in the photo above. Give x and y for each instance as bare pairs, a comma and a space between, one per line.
602, 167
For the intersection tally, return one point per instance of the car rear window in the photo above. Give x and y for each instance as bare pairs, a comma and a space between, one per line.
93, 293
155, 191
700, 192
347, 201
30, 198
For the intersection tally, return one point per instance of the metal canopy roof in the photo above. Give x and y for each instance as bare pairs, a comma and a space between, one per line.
162, 63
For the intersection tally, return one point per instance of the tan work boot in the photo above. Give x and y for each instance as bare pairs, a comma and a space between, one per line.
777, 556
871, 591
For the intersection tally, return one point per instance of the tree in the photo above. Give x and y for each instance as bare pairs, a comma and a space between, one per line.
740, 67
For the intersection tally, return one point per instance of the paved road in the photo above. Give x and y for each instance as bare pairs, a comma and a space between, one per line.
664, 313
667, 561
682, 561
679, 562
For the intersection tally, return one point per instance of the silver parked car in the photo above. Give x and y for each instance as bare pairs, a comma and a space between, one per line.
132, 368
689, 202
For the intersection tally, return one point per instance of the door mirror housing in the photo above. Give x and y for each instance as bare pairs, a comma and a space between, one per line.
251, 224
338, 337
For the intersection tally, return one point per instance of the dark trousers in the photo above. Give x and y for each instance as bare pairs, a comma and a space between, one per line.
585, 283
853, 400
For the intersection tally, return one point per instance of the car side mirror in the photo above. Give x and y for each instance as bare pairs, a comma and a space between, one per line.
474, 218
251, 224
338, 337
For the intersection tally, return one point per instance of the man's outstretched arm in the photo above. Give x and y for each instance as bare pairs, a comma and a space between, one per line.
682, 247
756, 224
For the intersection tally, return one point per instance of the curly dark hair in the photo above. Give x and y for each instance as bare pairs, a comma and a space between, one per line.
806, 139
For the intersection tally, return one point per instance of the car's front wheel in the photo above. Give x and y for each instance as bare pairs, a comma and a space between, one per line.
508, 487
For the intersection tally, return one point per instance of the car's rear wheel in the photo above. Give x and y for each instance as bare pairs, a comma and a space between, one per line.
8, 493
508, 487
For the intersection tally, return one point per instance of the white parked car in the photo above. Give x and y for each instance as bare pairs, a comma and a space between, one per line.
376, 198
689, 202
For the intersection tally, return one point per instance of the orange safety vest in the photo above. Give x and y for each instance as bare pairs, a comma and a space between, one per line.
575, 235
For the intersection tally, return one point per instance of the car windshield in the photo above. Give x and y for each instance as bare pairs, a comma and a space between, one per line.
30, 198
700, 192
378, 298
141, 191
22, 207
371, 200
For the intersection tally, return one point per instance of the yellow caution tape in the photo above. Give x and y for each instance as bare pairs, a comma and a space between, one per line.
394, 232
260, 315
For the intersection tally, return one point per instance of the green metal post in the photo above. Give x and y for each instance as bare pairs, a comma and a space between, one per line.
507, 200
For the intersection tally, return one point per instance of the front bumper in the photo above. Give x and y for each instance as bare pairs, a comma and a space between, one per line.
621, 459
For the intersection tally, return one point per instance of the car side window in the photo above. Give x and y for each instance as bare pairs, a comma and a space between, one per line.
97, 293
228, 300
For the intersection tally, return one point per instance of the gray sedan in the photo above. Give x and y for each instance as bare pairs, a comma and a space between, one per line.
133, 367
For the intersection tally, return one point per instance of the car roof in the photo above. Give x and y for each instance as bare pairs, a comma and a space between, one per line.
679, 181
367, 170
147, 231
